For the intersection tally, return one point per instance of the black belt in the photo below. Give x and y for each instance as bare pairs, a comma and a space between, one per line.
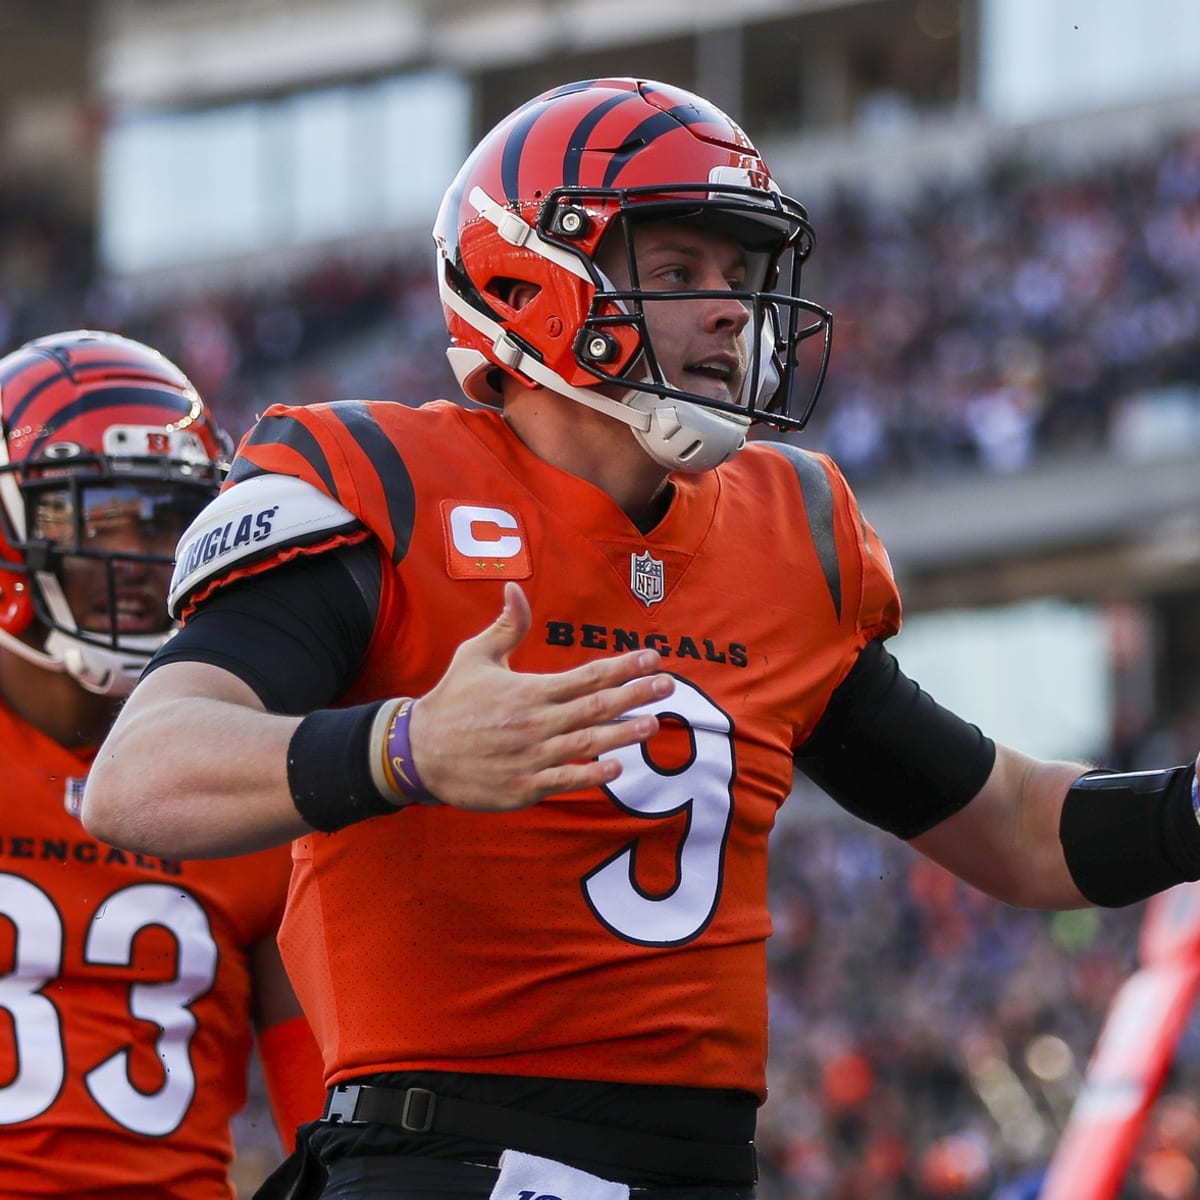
417, 1110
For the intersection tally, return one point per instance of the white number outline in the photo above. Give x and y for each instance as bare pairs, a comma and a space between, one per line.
35, 1021
703, 787
109, 941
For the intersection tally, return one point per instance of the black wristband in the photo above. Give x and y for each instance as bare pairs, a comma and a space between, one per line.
329, 767
1127, 836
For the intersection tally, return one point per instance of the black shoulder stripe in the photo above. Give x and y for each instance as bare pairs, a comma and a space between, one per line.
398, 491
818, 505
290, 432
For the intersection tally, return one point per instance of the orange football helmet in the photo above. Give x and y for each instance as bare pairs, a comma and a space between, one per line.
106, 454
532, 205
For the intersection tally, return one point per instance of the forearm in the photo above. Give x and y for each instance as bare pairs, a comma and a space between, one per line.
1056, 835
193, 768
1006, 841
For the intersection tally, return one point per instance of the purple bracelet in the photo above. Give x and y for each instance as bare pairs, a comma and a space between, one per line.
398, 766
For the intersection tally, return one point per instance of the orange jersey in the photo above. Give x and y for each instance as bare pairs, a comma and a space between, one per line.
610, 935
124, 996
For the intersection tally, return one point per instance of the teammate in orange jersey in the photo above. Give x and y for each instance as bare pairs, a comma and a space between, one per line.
528, 913
130, 984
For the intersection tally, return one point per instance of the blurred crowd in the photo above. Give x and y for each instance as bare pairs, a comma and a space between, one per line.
985, 322
926, 1041
979, 322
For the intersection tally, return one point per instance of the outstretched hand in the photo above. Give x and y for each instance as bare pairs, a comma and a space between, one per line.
491, 739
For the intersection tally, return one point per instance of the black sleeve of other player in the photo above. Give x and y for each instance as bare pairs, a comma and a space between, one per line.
295, 634
890, 754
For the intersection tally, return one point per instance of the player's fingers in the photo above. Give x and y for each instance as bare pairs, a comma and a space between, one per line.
571, 777
524, 765
505, 633
594, 740
516, 609
600, 709
594, 677
530, 733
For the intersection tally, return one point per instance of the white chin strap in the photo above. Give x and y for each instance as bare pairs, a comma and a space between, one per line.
102, 670
99, 669
96, 669
685, 436
677, 434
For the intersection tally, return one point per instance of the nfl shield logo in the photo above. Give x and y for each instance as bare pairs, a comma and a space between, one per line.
646, 578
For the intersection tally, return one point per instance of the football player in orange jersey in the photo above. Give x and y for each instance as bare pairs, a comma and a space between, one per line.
528, 911
130, 984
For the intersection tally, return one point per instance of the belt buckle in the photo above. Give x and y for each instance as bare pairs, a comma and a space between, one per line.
417, 1114
342, 1103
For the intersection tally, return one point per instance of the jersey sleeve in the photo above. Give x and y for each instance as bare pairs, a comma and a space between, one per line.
270, 519
304, 481
341, 450
878, 598
857, 569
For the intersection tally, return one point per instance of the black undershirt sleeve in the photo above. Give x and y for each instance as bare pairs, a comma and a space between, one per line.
890, 754
295, 634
